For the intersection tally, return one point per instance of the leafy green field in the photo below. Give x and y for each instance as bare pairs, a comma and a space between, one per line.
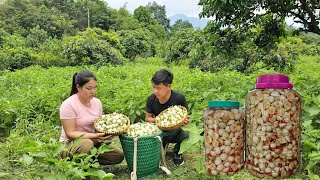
30, 126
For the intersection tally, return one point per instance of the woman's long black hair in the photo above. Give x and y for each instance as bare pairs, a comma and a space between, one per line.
81, 78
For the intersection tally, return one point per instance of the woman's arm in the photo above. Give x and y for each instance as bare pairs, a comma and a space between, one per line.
72, 134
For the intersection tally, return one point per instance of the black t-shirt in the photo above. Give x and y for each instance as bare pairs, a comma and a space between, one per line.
154, 107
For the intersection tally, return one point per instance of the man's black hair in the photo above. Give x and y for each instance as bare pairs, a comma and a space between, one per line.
162, 76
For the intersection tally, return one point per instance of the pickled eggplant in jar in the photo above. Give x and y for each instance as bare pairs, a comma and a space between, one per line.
273, 134
224, 138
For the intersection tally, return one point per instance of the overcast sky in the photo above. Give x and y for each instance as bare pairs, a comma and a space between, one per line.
187, 7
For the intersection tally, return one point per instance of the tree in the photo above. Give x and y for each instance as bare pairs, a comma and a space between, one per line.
14, 53
36, 37
181, 24
158, 31
236, 50
245, 33
125, 21
143, 15
3, 34
88, 48
137, 42
158, 12
247, 14
19, 16
102, 16
180, 44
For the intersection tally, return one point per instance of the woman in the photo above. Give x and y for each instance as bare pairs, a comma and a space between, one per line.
77, 115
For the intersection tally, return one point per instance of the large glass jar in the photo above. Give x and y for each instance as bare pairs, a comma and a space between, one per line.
273, 111
224, 137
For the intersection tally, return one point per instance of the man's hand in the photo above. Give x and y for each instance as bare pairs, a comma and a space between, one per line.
150, 118
186, 122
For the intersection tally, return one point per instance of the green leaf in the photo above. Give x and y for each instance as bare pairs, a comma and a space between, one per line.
50, 177
315, 110
314, 156
101, 174
51, 161
77, 172
41, 173
307, 124
95, 165
314, 133
80, 155
32, 149
314, 177
39, 154
193, 129
179, 171
27, 160
308, 146
62, 147
77, 141
186, 146
3, 174
195, 139
199, 165
61, 176
93, 151
108, 176
138, 112
104, 148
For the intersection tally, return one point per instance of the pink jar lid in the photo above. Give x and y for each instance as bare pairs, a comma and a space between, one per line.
276, 81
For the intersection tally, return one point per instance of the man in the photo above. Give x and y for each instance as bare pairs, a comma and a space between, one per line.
162, 98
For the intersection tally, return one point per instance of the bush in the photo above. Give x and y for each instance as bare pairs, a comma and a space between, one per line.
111, 37
213, 58
16, 58
36, 37
137, 43
89, 48
50, 53
247, 58
14, 52
181, 43
3, 34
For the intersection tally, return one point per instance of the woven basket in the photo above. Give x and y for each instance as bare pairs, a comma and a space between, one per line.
175, 126
113, 133
148, 153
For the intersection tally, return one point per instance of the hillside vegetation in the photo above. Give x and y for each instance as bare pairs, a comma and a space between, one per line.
29, 110
43, 43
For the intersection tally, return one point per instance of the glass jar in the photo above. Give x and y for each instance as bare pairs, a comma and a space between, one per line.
224, 137
273, 112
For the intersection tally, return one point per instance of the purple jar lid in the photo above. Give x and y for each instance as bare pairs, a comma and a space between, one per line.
276, 81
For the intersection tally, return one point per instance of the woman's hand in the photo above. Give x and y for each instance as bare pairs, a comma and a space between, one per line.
104, 137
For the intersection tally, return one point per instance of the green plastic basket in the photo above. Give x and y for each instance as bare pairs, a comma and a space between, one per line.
148, 153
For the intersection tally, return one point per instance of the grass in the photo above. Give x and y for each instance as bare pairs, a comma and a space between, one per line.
306, 70
185, 171
121, 171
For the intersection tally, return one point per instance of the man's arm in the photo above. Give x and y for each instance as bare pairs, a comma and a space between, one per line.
185, 104
149, 118
149, 109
